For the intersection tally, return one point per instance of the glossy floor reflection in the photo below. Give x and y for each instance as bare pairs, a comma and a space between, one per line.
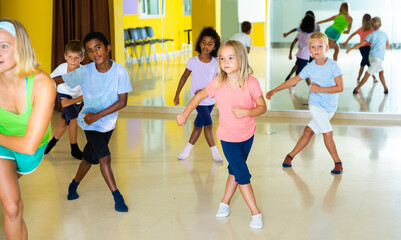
172, 199
155, 84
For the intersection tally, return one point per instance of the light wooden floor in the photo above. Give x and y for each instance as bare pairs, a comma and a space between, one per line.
173, 199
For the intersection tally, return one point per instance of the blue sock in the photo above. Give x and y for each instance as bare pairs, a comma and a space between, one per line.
119, 204
72, 190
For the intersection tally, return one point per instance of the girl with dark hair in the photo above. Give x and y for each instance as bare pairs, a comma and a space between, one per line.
204, 68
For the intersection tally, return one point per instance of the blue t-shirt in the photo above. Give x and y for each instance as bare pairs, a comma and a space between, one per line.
323, 75
100, 91
378, 39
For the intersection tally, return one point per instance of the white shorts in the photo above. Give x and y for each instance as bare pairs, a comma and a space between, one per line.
375, 65
320, 122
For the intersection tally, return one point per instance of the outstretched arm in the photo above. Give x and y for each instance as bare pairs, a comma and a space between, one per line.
288, 33
43, 95
334, 89
327, 20
121, 103
349, 38
259, 109
357, 46
181, 84
182, 118
289, 83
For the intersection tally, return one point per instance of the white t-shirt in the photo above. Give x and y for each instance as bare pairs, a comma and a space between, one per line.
243, 38
64, 88
202, 74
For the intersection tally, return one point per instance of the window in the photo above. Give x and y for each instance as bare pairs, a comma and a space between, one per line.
151, 8
186, 7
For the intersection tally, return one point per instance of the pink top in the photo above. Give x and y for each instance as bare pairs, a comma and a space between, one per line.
232, 129
364, 34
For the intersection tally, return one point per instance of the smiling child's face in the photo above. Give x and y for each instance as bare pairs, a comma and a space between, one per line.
97, 51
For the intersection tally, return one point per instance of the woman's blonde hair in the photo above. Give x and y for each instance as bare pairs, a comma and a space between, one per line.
366, 25
344, 8
241, 57
25, 58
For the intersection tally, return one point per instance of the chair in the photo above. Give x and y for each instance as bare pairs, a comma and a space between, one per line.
143, 35
162, 41
136, 40
127, 44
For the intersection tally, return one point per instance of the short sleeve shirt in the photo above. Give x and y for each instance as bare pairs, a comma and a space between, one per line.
202, 74
303, 48
363, 34
64, 88
323, 75
378, 39
100, 91
243, 38
232, 129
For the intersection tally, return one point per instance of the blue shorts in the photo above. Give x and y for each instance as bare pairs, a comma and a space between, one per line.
203, 118
25, 163
301, 64
236, 154
365, 56
332, 33
70, 112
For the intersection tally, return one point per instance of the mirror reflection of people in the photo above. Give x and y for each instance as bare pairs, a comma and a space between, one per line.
243, 36
342, 24
26, 106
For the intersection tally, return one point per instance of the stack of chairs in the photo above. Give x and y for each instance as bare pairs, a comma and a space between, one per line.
162, 41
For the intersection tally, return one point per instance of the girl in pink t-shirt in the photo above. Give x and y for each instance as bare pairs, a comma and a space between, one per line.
363, 32
204, 68
239, 99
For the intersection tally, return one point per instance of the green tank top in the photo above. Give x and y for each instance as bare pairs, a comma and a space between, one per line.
12, 124
340, 23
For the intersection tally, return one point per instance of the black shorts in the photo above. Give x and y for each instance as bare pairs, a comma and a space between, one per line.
301, 64
97, 146
70, 112
365, 55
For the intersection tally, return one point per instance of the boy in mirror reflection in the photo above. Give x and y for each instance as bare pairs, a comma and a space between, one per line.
380, 42
243, 36
327, 82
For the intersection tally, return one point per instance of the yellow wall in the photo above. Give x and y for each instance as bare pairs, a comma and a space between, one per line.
172, 24
117, 30
36, 16
258, 34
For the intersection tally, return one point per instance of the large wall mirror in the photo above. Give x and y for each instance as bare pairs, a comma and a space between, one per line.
160, 40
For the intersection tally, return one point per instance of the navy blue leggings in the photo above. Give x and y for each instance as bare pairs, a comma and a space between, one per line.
236, 154
203, 118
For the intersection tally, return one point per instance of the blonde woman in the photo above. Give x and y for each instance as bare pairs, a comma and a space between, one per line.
239, 99
26, 106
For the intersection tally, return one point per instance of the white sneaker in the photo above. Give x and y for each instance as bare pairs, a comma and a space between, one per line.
224, 210
256, 222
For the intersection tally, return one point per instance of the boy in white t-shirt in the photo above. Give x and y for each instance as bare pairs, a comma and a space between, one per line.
243, 37
71, 98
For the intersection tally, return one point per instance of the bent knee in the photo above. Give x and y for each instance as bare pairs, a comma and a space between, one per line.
308, 131
12, 209
328, 134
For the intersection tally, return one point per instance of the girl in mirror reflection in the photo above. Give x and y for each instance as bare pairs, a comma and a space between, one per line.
342, 24
363, 32
307, 28
327, 82
204, 68
239, 99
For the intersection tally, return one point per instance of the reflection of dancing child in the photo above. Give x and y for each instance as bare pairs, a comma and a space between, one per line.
204, 68
307, 28
298, 29
342, 21
71, 98
363, 32
379, 42
26, 106
327, 82
239, 100
105, 85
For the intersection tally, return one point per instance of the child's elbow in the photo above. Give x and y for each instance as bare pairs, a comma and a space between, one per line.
340, 88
